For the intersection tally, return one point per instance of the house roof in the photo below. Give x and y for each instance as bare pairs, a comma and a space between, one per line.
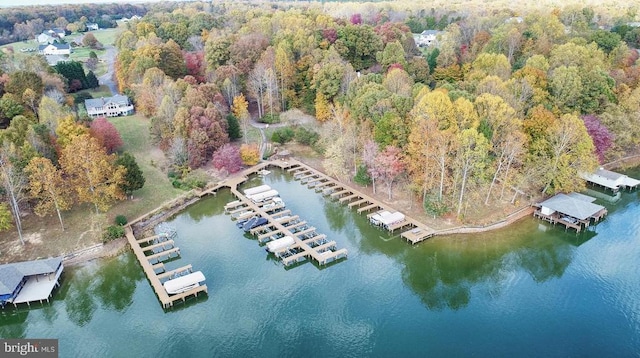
430, 32
12, 274
576, 206
99, 102
608, 174
56, 45
58, 30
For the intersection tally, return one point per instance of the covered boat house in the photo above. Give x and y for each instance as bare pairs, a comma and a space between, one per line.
572, 210
611, 180
29, 281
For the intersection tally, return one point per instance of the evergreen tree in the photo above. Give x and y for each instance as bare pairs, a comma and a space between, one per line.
233, 128
92, 80
133, 179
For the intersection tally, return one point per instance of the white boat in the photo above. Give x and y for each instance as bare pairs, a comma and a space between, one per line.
256, 190
263, 196
280, 244
264, 172
184, 283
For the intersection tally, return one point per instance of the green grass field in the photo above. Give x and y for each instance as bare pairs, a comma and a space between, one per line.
157, 189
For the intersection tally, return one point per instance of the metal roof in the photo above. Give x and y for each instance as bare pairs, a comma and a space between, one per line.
573, 206
11, 274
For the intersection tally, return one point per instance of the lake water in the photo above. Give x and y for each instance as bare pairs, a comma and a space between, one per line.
528, 290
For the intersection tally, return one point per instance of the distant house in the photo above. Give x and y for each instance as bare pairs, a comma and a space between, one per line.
30, 281
92, 26
514, 19
611, 180
58, 32
115, 106
53, 60
46, 38
54, 49
427, 38
134, 17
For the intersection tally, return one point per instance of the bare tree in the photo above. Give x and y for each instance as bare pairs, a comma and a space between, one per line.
14, 183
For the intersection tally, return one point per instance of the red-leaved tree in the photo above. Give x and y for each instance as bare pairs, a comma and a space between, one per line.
106, 134
600, 135
389, 166
228, 158
196, 64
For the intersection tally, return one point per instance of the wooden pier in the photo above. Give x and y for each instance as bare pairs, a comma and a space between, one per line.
150, 270
276, 223
415, 231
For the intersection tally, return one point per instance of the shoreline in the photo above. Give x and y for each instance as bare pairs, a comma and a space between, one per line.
116, 247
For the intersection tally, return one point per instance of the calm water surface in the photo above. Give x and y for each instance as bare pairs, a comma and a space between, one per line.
529, 290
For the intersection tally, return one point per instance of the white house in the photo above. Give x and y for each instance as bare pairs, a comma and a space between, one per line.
45, 38
58, 32
427, 38
115, 106
54, 49
92, 26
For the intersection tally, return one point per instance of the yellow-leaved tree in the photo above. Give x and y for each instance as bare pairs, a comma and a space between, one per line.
92, 173
240, 109
48, 187
249, 154
68, 129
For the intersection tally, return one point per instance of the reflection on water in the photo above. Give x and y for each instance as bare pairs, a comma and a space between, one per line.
525, 286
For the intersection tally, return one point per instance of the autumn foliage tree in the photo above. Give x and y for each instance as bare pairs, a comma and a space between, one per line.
600, 135
92, 173
227, 158
49, 188
106, 134
250, 154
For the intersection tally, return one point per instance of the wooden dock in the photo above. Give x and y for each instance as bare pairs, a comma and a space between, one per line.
415, 231
166, 300
322, 255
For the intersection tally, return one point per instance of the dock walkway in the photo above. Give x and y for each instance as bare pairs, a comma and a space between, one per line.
345, 194
322, 255
150, 270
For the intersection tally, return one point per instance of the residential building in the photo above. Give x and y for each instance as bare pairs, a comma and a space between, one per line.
427, 38
45, 38
92, 26
115, 106
54, 49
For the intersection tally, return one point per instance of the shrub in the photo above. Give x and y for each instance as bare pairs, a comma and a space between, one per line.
282, 135
270, 118
362, 176
121, 220
306, 136
112, 232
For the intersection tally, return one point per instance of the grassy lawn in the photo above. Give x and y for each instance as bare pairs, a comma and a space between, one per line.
157, 189
108, 36
102, 91
83, 227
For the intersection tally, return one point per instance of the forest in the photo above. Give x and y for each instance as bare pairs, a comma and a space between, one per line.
507, 104
502, 105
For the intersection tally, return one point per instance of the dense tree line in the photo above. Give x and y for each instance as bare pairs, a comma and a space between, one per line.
502, 106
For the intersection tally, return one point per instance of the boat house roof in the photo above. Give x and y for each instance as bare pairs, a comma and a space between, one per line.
611, 180
575, 205
12, 274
